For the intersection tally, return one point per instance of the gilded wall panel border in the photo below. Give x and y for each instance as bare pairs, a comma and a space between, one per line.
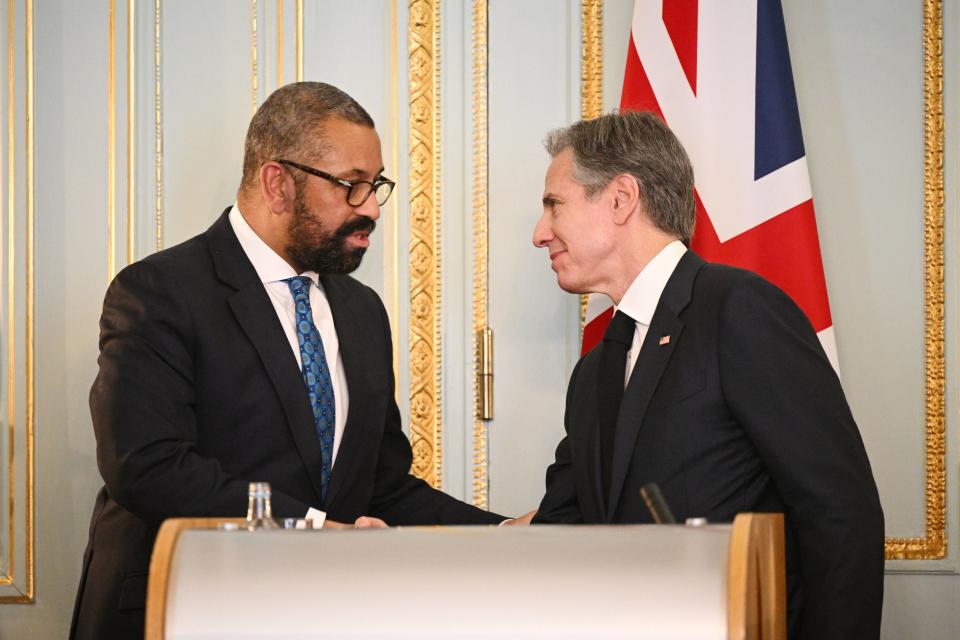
254, 70
423, 51
131, 130
111, 141
12, 593
480, 242
158, 119
934, 543
299, 40
591, 80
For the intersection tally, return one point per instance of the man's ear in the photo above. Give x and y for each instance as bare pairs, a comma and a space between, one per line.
276, 187
626, 197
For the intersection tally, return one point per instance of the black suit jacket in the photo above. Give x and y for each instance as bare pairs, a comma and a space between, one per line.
199, 393
739, 411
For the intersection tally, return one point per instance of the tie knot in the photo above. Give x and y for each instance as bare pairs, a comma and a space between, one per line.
299, 285
621, 329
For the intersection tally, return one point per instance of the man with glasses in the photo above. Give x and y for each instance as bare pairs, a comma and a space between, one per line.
247, 354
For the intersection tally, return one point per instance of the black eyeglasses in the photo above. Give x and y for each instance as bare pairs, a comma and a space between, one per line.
357, 190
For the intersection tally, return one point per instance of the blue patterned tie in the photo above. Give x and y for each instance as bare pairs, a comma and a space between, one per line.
316, 374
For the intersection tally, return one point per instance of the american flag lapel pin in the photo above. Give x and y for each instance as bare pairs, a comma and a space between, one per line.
664, 340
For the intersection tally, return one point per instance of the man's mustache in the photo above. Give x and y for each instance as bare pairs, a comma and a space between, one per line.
362, 224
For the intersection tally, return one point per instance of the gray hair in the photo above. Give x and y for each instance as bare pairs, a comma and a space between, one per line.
288, 125
637, 143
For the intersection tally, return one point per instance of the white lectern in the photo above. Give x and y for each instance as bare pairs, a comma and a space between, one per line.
651, 581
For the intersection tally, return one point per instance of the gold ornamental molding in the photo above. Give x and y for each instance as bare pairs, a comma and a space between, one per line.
423, 47
131, 130
253, 58
17, 585
299, 42
158, 120
111, 143
934, 543
480, 246
112, 138
591, 81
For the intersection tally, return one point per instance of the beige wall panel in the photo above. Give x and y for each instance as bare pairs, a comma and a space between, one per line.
534, 86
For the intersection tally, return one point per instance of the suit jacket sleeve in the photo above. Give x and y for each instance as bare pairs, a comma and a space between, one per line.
399, 498
560, 504
783, 391
142, 407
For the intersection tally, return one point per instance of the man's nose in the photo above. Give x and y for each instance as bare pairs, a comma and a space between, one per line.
370, 208
542, 232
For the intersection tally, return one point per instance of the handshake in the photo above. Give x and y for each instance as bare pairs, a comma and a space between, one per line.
369, 522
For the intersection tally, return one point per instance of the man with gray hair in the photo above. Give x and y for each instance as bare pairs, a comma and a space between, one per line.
248, 354
709, 382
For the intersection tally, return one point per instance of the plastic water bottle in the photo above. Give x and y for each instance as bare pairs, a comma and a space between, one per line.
259, 511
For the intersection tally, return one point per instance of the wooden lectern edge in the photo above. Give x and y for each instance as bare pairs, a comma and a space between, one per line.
159, 579
756, 578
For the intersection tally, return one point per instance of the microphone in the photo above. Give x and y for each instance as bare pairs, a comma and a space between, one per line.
657, 505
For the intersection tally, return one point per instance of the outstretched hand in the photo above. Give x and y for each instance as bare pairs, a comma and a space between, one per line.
363, 522
522, 520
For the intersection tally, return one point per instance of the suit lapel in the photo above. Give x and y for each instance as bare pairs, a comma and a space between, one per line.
651, 363
353, 332
257, 317
586, 442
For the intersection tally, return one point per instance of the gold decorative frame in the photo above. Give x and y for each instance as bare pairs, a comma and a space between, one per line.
253, 58
26, 594
279, 43
131, 130
111, 142
591, 81
158, 119
299, 42
934, 544
480, 239
112, 139
425, 352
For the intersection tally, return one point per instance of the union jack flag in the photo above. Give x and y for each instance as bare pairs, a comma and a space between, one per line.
719, 74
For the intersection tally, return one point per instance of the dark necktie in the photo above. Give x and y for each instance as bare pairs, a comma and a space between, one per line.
613, 367
316, 375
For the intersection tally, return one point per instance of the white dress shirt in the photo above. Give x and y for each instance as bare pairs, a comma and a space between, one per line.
643, 294
273, 270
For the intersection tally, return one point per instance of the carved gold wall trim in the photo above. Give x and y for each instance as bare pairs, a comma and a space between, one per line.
112, 139
591, 81
934, 543
21, 594
253, 57
299, 43
279, 43
425, 353
131, 130
111, 143
158, 120
11, 345
480, 242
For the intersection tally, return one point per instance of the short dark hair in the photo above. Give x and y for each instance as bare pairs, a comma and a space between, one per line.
289, 125
640, 144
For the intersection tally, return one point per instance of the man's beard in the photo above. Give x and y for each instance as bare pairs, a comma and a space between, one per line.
314, 249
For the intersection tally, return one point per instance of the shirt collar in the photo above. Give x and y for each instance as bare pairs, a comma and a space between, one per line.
641, 298
270, 267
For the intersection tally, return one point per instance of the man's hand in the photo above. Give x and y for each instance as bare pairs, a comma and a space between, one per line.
369, 522
522, 520
363, 522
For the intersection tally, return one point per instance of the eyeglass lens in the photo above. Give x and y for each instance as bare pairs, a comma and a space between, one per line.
360, 191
